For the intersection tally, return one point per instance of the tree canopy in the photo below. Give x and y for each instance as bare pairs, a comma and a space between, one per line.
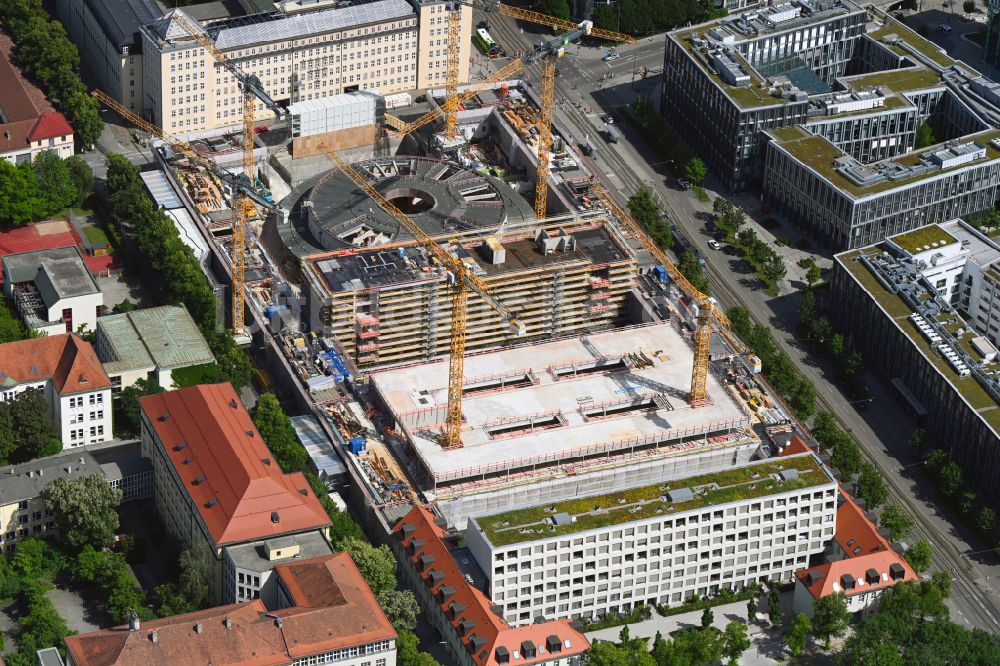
377, 564
128, 413
647, 213
26, 431
85, 510
276, 429
48, 57
401, 607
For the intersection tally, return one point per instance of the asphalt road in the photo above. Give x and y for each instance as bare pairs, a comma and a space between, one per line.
583, 95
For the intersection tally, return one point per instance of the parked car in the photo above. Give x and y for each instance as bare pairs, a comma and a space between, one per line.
608, 118
684, 183
945, 28
611, 57
715, 245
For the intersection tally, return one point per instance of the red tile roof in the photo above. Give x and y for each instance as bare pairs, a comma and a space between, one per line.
227, 470
421, 536
252, 637
50, 126
29, 115
333, 584
886, 568
67, 359
865, 550
796, 445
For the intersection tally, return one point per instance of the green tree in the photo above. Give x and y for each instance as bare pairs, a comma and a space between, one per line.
401, 608
195, 565
951, 479
661, 650
736, 218
924, 137
969, 6
82, 178
987, 520
735, 642
919, 556
918, 440
377, 565
408, 653
128, 415
830, 617
693, 271
646, 212
35, 434
752, 609
803, 399
695, 171
695, 646
936, 460
897, 521
798, 636
871, 486
124, 307
171, 601
774, 613
774, 269
55, 182
854, 366
707, 617
847, 456
814, 275
21, 200
837, 345
557, 8
85, 510
276, 429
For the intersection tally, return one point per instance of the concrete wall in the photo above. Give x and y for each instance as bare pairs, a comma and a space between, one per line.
354, 137
457, 510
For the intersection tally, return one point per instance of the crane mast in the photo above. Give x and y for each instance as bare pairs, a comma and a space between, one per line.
464, 281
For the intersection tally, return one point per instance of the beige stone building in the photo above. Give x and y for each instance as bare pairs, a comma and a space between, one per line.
387, 46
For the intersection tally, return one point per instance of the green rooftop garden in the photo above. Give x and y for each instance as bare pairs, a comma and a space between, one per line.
891, 102
746, 97
898, 80
789, 133
968, 387
926, 48
914, 241
522, 525
889, 301
818, 153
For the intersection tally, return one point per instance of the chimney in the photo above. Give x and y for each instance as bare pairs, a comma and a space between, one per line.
228, 623
275, 518
40, 472
197, 628
154, 637
133, 622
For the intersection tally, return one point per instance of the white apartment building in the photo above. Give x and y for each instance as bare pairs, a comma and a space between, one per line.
658, 544
962, 264
71, 378
385, 46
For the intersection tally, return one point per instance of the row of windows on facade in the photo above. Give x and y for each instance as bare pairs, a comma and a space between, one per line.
686, 587
11, 537
373, 31
347, 653
77, 434
651, 583
667, 557
93, 399
79, 417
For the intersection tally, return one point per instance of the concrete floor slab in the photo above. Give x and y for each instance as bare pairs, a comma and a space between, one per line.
422, 388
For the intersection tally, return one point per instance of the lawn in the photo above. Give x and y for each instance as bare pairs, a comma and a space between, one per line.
207, 373
96, 236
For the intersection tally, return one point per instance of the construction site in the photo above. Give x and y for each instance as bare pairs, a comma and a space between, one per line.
474, 321
554, 420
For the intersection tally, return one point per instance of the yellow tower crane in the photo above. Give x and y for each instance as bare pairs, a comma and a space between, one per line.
552, 49
503, 73
709, 314
243, 207
236, 182
464, 280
